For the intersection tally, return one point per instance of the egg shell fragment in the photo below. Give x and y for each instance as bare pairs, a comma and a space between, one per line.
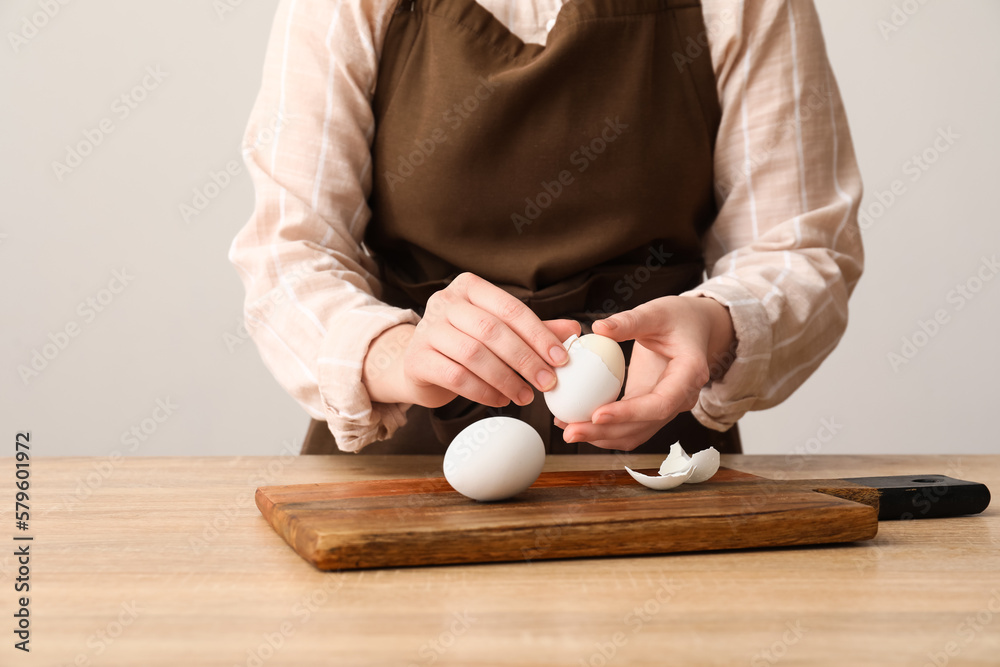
706, 464
663, 482
679, 468
588, 380
676, 460
494, 458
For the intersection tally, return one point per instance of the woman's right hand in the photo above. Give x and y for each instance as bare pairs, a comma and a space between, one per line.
475, 340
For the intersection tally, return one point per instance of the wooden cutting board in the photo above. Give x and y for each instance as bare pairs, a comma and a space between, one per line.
390, 523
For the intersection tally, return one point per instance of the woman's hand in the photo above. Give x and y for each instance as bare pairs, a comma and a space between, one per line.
475, 340
680, 344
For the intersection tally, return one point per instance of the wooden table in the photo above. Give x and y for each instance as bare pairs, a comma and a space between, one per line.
166, 561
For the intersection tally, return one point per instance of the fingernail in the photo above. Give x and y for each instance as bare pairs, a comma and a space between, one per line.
570, 438
609, 323
525, 396
558, 354
546, 380
602, 418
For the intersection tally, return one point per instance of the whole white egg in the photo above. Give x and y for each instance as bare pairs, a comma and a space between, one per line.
591, 378
494, 458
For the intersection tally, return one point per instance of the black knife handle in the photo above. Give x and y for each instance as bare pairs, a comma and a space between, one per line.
925, 496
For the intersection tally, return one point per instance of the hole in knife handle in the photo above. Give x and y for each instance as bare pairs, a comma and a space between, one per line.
926, 480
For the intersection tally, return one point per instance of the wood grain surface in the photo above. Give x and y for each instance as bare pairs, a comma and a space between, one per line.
568, 514
162, 562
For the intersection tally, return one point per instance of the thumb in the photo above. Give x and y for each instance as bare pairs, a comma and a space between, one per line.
623, 326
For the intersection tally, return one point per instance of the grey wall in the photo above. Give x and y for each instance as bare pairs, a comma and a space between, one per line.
139, 307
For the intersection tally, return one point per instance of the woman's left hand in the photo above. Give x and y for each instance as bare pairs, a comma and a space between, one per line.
681, 343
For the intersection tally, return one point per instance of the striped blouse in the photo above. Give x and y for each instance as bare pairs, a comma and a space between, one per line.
783, 255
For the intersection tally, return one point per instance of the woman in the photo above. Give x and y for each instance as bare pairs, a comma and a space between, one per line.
455, 187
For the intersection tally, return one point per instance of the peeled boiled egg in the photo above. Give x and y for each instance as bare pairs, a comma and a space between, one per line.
494, 458
591, 378
679, 468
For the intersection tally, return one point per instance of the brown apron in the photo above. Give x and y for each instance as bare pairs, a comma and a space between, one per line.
577, 176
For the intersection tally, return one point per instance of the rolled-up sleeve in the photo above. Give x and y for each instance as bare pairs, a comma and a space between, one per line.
784, 253
312, 297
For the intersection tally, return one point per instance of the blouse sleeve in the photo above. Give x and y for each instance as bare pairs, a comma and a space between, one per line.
784, 253
312, 297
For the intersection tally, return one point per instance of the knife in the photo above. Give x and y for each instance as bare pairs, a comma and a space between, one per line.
903, 497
